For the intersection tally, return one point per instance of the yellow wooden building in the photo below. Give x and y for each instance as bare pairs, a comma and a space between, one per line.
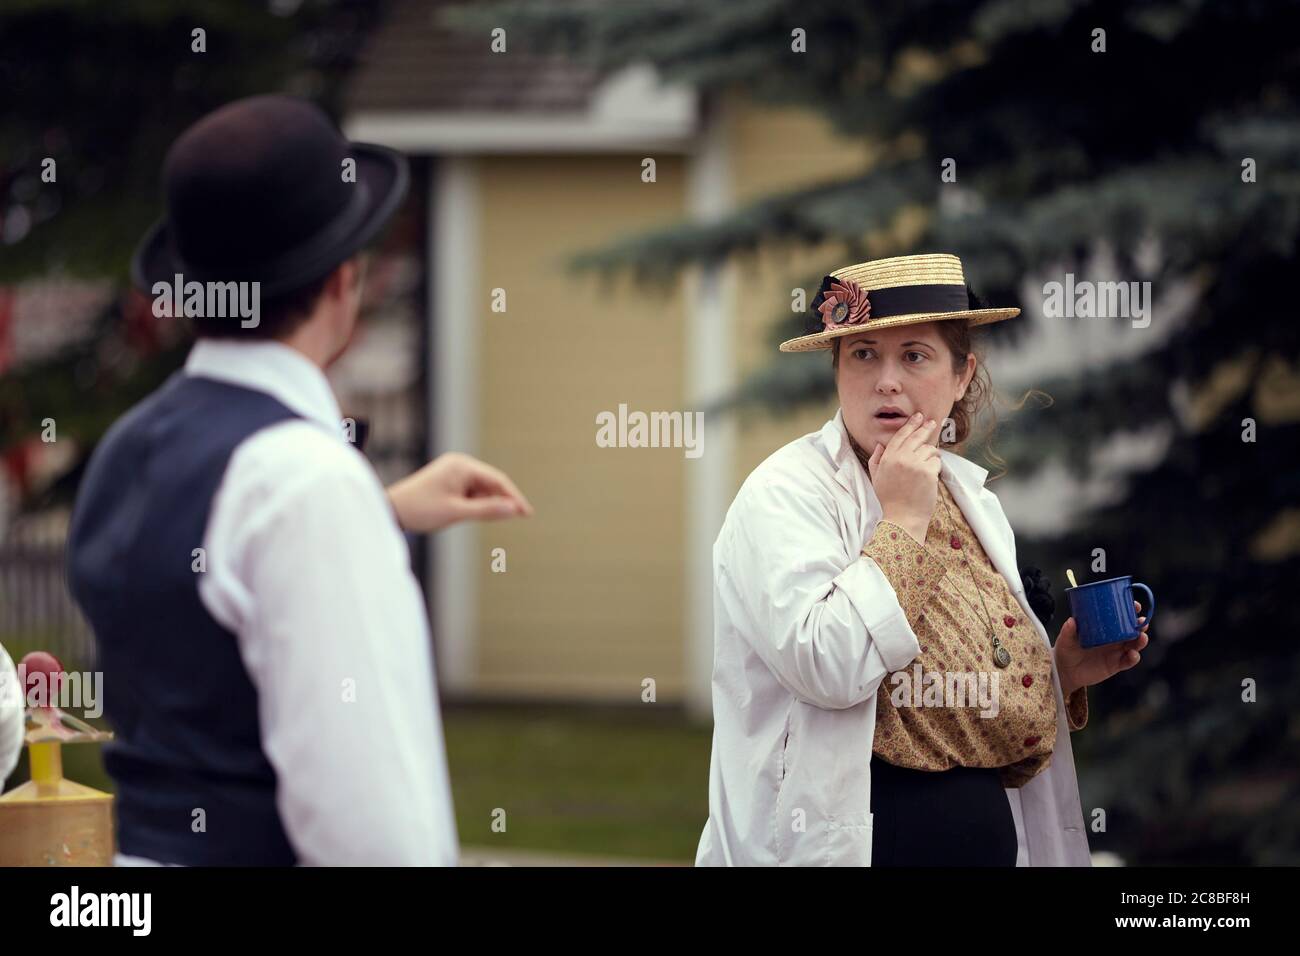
523, 162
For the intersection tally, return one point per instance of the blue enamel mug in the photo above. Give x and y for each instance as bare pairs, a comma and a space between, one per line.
1103, 610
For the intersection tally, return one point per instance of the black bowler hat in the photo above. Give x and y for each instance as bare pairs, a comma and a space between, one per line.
255, 191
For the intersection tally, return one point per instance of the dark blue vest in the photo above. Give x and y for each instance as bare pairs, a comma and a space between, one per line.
176, 692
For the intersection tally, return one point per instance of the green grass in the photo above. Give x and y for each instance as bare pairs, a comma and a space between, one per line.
609, 782
571, 780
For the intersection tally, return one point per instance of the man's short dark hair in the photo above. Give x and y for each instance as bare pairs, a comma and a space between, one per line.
277, 317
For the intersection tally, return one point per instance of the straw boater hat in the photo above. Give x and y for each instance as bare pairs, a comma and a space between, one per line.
882, 293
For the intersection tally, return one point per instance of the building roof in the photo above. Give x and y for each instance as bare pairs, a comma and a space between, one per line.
413, 63
423, 88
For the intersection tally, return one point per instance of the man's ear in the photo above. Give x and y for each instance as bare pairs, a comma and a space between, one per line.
340, 281
343, 285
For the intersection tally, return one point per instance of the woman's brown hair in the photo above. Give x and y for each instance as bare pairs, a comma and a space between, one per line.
979, 395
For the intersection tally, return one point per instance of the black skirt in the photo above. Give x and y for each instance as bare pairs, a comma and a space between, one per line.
955, 817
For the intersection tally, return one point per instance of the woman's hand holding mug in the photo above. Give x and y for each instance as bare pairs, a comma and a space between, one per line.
905, 476
1078, 666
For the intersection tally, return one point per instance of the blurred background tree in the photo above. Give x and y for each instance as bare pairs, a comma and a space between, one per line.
1133, 141
103, 89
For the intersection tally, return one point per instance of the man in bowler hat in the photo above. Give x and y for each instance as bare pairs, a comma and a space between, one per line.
267, 663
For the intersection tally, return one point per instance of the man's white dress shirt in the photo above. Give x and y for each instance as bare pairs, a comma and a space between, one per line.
307, 566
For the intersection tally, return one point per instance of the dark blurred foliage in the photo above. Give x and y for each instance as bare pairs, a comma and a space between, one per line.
103, 88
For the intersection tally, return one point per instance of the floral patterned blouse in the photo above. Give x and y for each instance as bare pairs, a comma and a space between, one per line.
951, 706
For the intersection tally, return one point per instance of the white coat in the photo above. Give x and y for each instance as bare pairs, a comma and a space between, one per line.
805, 630
12, 729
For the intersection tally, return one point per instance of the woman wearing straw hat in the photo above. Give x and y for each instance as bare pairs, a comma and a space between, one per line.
883, 692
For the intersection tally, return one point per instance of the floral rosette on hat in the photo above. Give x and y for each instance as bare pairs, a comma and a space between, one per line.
843, 302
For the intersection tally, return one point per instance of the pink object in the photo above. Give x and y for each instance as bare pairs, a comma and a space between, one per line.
845, 304
41, 662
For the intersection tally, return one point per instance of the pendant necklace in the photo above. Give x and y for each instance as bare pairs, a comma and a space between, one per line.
1001, 656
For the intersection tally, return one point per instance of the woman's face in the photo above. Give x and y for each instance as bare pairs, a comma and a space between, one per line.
906, 368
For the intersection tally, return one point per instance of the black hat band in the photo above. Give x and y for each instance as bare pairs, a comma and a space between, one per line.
904, 299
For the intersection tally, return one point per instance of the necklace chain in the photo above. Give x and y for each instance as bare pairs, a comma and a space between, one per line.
1001, 656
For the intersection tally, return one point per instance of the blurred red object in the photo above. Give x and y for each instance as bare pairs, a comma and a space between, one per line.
17, 460
46, 690
141, 326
